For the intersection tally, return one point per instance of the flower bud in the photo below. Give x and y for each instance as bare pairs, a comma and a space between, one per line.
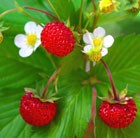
107, 6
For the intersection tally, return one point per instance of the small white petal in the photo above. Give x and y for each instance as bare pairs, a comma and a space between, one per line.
37, 44
39, 30
99, 32
20, 40
108, 41
30, 27
88, 38
104, 51
88, 48
25, 52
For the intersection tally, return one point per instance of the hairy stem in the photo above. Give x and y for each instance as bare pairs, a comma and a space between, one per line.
52, 7
42, 11
54, 75
111, 79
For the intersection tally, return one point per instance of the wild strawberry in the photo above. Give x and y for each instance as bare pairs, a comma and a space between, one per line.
120, 112
118, 115
57, 39
36, 112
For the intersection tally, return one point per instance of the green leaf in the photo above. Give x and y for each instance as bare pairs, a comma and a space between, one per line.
21, 72
116, 16
73, 61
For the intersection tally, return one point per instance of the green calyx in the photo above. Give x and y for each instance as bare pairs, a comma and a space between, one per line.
122, 97
50, 97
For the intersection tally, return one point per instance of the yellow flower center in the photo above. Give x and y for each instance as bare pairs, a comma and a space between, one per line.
31, 39
107, 5
98, 42
95, 56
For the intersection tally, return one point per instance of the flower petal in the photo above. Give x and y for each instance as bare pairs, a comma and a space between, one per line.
108, 41
30, 27
88, 38
25, 52
39, 30
20, 40
87, 48
104, 51
99, 32
37, 44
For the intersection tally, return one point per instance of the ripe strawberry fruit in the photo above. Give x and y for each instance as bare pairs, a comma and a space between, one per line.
57, 39
118, 115
36, 112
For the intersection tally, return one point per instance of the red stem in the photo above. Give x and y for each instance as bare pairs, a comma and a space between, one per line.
93, 108
111, 79
49, 82
35, 9
90, 131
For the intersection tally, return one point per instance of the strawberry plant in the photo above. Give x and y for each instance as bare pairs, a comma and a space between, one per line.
69, 69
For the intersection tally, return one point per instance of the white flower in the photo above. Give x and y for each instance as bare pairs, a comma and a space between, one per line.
97, 42
30, 41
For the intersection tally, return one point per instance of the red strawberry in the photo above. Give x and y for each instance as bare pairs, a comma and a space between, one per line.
57, 39
117, 115
36, 112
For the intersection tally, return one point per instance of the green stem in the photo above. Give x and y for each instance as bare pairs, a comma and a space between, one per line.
111, 79
51, 60
7, 12
94, 5
54, 75
88, 21
80, 46
30, 16
95, 21
80, 17
42, 11
52, 7
96, 14
20, 9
